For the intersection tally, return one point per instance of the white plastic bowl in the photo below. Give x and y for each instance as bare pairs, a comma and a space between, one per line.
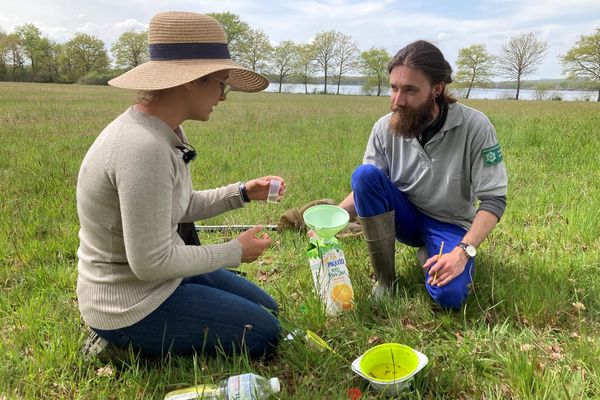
391, 388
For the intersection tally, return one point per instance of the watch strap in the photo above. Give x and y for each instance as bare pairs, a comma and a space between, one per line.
244, 194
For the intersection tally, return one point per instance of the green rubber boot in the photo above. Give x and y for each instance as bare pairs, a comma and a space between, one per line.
379, 233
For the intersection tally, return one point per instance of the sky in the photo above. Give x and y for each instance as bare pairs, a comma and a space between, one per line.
389, 24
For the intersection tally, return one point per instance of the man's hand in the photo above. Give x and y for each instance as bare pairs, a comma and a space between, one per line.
253, 246
445, 268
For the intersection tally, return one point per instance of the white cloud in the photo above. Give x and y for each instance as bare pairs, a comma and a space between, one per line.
129, 24
443, 36
56, 31
338, 9
89, 28
543, 9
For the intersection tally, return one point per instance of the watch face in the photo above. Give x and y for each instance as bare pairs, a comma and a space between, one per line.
471, 251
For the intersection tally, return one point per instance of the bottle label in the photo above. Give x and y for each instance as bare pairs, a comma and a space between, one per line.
194, 392
241, 387
330, 275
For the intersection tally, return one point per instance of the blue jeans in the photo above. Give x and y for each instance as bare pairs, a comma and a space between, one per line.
375, 194
208, 313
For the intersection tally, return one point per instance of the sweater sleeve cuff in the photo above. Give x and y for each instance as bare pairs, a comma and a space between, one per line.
234, 195
227, 254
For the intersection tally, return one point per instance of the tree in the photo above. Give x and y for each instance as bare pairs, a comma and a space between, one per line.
540, 91
27, 44
304, 67
284, 57
373, 65
82, 54
31, 42
324, 46
15, 56
49, 68
346, 56
475, 65
234, 28
583, 59
3, 56
130, 49
254, 50
520, 56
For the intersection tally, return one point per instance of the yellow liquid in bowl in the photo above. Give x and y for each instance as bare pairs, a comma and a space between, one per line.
388, 372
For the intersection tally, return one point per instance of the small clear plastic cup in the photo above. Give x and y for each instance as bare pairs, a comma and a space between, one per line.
273, 191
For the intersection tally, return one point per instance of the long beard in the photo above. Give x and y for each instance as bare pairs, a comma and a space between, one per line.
409, 122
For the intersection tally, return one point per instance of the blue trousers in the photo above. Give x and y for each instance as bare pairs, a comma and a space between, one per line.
208, 313
375, 194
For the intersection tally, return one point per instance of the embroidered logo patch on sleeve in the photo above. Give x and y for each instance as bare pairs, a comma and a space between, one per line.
492, 155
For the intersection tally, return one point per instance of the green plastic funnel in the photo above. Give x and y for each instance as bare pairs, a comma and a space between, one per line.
326, 220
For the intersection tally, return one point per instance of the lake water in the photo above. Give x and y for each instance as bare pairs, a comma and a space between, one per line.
494, 94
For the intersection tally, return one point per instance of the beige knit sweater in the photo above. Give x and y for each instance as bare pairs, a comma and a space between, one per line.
132, 191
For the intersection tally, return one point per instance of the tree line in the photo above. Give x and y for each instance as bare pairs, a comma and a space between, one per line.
332, 56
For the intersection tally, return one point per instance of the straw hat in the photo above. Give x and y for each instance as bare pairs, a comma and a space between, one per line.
185, 46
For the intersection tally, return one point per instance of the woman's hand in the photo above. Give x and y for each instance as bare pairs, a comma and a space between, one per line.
258, 189
252, 245
444, 269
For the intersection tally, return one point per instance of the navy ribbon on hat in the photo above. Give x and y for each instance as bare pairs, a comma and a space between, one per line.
188, 51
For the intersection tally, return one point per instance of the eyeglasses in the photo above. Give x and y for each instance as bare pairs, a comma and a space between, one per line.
225, 87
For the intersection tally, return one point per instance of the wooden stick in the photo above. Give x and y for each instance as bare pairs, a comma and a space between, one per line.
439, 256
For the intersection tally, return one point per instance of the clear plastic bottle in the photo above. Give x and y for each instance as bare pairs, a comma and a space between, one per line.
238, 387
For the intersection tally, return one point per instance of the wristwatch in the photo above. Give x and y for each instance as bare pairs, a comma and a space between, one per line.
243, 193
470, 251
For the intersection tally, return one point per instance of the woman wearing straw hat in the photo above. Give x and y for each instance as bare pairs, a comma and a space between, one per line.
139, 284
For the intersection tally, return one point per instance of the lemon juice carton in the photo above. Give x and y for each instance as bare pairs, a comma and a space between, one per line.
330, 275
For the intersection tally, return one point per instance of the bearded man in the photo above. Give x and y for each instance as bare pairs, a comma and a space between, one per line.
432, 177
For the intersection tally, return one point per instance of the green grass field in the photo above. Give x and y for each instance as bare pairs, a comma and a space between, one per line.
530, 329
